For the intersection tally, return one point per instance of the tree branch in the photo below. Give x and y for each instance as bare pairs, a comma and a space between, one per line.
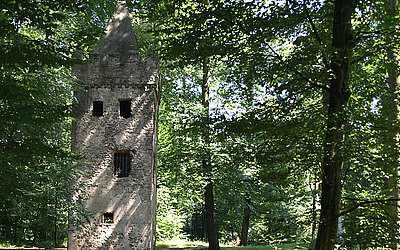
363, 203
315, 31
313, 84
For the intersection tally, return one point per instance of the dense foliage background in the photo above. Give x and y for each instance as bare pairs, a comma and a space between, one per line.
245, 119
270, 70
37, 42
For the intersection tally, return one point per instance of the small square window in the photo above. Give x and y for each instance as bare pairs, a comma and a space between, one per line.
97, 108
122, 164
125, 108
108, 218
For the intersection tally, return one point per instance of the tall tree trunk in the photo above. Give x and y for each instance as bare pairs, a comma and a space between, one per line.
7, 223
15, 230
55, 220
313, 188
392, 107
35, 230
245, 222
339, 94
208, 194
210, 217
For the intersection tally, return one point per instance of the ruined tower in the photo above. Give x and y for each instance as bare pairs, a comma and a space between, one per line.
116, 130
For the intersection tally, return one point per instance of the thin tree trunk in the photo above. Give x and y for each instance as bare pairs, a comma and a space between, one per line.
7, 222
210, 217
313, 187
15, 231
334, 138
245, 223
36, 227
55, 221
206, 163
393, 169
393, 113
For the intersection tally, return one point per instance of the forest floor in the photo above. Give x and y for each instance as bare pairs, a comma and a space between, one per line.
180, 245
197, 245
32, 248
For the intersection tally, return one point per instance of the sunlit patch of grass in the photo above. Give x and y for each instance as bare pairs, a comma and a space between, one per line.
181, 243
246, 247
266, 247
7, 245
39, 245
4, 245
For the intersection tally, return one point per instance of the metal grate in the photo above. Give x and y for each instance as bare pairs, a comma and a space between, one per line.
122, 164
108, 218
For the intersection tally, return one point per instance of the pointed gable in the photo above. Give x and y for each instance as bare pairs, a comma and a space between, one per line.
117, 60
120, 37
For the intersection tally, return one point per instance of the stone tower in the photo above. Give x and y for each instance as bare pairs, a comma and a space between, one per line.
116, 129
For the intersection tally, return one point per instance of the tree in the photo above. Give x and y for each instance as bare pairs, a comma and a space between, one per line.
339, 94
206, 162
393, 116
37, 43
312, 56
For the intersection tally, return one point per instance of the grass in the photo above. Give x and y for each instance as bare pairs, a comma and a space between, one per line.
192, 245
283, 246
184, 244
180, 243
39, 245
7, 245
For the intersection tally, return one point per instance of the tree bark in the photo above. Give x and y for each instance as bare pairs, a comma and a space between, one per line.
339, 94
392, 107
206, 162
210, 217
35, 230
55, 221
245, 223
313, 187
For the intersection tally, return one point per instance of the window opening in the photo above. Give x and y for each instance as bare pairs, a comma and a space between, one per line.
97, 108
122, 164
108, 218
125, 108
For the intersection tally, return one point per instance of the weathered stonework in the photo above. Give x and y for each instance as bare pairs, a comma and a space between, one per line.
116, 73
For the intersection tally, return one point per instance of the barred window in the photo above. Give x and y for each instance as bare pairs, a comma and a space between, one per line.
125, 108
122, 164
97, 108
108, 218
